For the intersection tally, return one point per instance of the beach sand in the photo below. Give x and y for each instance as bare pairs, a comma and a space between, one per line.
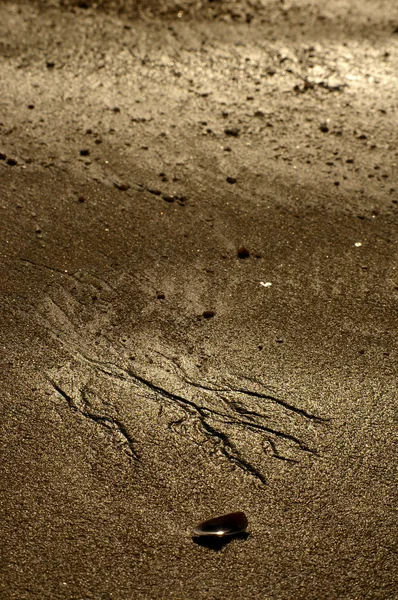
199, 290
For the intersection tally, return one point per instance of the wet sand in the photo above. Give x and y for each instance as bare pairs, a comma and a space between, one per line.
199, 299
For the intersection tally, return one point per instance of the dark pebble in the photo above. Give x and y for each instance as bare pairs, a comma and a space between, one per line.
231, 179
50, 64
209, 314
233, 131
243, 252
123, 187
2, 156
11, 161
231, 524
160, 296
84, 152
81, 199
324, 128
168, 198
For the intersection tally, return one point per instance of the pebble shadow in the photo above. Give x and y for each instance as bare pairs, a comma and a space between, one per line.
218, 543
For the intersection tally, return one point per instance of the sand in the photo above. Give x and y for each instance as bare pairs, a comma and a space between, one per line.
199, 290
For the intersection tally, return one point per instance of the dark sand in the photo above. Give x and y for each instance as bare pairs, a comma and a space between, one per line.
127, 416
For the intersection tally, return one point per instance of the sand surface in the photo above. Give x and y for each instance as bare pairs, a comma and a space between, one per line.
198, 290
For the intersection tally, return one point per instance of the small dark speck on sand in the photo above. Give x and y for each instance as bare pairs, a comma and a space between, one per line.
243, 252
209, 314
123, 187
84, 152
232, 131
231, 179
11, 162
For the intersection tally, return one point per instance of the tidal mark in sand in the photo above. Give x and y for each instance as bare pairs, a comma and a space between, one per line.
209, 419
80, 276
219, 413
83, 406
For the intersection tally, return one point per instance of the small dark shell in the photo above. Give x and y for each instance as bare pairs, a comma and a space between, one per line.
231, 524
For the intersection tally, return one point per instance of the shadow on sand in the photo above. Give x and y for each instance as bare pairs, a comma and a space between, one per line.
218, 543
